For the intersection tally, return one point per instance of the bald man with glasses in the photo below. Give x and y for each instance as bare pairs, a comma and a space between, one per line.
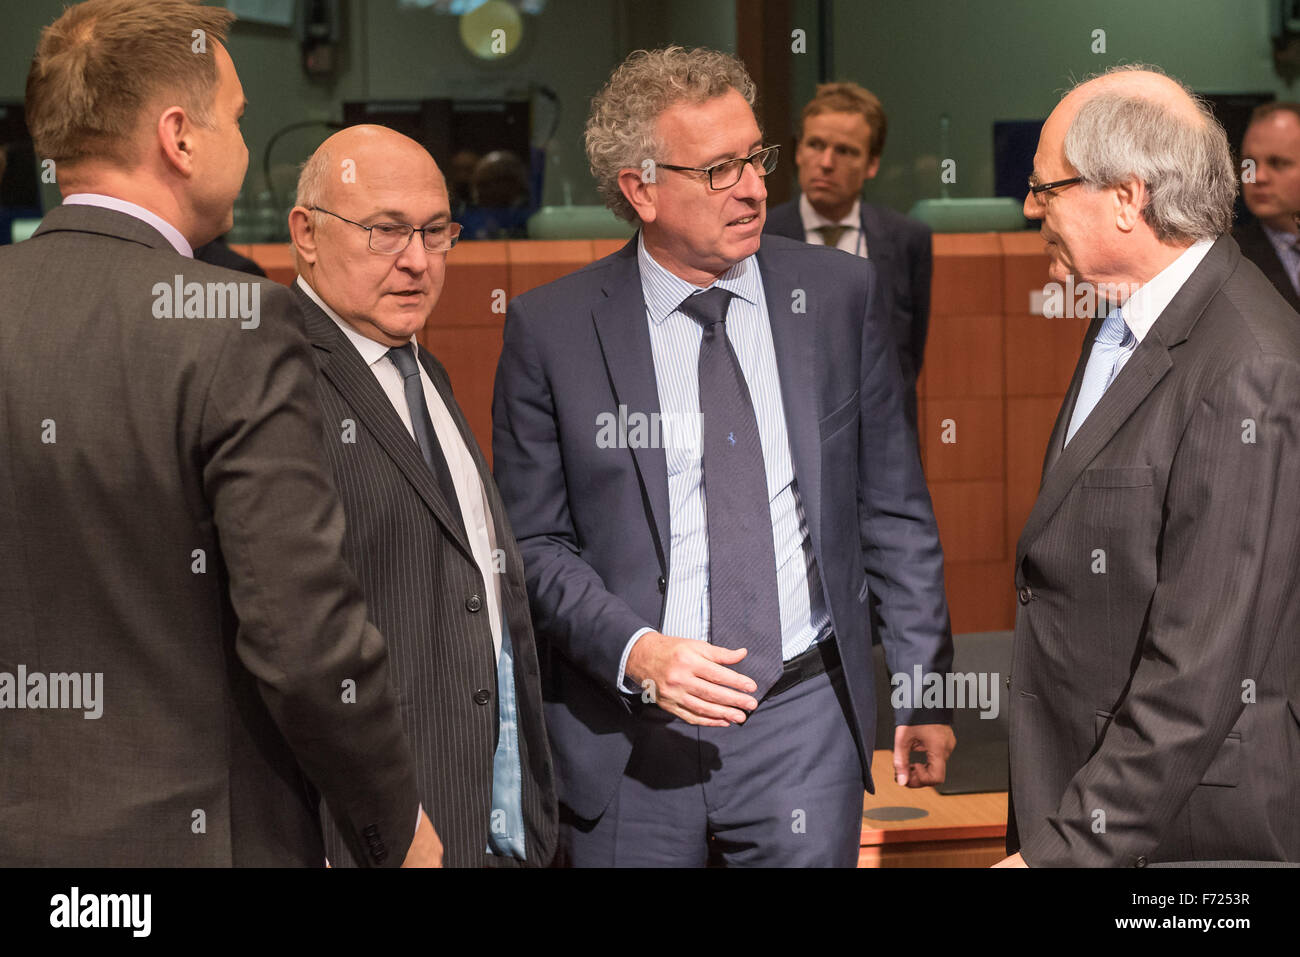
426, 531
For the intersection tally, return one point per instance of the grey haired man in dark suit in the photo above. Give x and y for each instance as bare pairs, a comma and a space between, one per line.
1155, 688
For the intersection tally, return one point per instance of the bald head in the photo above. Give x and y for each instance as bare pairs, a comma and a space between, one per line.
371, 156
1162, 91
355, 194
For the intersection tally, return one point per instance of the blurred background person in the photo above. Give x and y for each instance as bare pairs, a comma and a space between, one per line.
1271, 190
841, 138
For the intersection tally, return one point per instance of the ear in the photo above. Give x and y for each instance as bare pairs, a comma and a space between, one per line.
638, 192
176, 140
302, 230
1130, 198
873, 168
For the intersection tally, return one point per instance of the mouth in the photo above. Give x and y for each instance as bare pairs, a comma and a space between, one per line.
744, 220
407, 293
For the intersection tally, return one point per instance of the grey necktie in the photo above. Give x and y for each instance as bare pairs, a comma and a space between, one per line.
425, 436
744, 611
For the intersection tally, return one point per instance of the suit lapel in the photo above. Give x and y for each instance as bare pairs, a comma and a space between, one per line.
879, 248
794, 344
345, 370
1149, 364
625, 343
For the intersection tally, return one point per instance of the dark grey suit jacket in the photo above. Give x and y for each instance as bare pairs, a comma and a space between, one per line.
222, 671
1255, 246
1155, 697
426, 594
902, 250
593, 523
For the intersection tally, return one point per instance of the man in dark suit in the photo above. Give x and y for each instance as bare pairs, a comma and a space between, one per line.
708, 671
1270, 185
426, 531
171, 542
1155, 682
841, 138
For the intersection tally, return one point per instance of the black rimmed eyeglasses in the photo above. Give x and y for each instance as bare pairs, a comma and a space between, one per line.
1039, 188
395, 237
727, 174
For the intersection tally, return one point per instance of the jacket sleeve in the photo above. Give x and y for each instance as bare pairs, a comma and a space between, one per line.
900, 540
572, 610
321, 669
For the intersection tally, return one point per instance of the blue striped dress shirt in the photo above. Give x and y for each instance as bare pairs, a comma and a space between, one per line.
675, 342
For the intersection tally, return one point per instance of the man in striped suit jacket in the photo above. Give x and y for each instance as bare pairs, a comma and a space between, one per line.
426, 531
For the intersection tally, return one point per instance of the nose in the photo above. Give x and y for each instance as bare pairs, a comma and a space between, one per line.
1033, 208
827, 157
751, 185
414, 258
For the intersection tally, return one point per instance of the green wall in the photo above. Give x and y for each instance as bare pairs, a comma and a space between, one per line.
977, 61
988, 60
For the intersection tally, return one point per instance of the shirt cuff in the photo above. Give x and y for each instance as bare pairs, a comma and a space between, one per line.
621, 682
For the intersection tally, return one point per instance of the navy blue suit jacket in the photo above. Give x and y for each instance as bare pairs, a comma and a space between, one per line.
593, 523
902, 251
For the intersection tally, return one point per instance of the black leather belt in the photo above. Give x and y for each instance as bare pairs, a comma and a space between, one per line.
819, 659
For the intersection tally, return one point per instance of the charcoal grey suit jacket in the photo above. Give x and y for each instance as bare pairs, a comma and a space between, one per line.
426, 594
1155, 689
179, 535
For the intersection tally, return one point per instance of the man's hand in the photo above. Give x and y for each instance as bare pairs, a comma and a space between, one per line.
936, 740
687, 679
1015, 860
426, 849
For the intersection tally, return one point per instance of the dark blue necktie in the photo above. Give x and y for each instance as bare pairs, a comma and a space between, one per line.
425, 436
744, 611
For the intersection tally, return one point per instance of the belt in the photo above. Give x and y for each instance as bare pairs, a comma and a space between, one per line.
819, 659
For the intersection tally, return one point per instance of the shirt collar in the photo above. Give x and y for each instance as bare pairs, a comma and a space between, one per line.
1143, 307
169, 232
1280, 238
370, 350
664, 292
813, 219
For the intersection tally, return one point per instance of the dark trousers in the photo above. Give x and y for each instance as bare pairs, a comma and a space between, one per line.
784, 789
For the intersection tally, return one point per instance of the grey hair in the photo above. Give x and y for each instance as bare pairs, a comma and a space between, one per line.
1187, 166
311, 179
621, 129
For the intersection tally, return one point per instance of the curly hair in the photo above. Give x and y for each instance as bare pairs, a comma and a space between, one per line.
621, 130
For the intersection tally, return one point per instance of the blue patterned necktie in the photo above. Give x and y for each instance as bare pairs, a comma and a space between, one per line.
1112, 342
744, 611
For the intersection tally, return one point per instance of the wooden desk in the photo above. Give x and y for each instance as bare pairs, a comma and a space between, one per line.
958, 830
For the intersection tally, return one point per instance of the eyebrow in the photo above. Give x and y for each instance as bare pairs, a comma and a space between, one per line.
723, 157
397, 217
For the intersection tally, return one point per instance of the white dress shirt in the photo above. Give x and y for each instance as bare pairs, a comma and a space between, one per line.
851, 241
170, 232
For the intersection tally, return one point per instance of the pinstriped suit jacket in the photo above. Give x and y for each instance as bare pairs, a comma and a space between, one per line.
418, 576
1155, 697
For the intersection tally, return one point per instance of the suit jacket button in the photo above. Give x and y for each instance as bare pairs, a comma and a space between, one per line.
662, 584
1140, 862
482, 696
1026, 595
473, 603
1008, 681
